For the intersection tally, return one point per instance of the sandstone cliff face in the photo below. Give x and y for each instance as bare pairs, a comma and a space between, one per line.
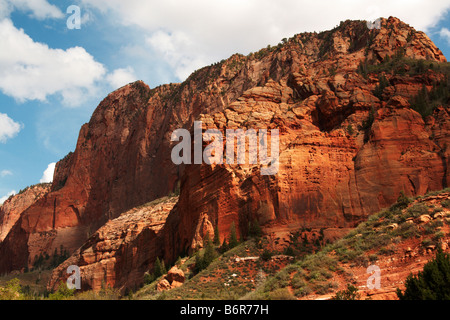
119, 253
325, 179
119, 156
12, 208
329, 176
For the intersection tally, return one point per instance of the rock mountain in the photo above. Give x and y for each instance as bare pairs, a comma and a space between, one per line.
351, 139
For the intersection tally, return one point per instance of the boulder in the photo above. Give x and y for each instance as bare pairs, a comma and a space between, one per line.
175, 274
163, 285
425, 218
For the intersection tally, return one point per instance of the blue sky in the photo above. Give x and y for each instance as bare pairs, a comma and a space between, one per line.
52, 77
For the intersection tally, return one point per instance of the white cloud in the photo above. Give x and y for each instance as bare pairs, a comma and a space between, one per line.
5, 173
189, 34
39, 9
32, 71
47, 177
121, 77
445, 33
169, 47
8, 128
4, 198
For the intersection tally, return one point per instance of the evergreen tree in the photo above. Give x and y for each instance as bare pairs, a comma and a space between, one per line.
224, 247
233, 237
163, 267
432, 283
421, 102
209, 254
382, 84
363, 68
159, 268
204, 259
367, 124
199, 263
254, 229
216, 236
266, 255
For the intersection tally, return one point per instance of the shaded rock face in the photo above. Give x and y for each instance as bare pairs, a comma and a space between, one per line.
329, 176
12, 208
121, 251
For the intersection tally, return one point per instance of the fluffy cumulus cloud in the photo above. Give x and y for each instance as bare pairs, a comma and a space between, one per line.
191, 34
121, 77
4, 198
8, 128
47, 176
31, 70
39, 9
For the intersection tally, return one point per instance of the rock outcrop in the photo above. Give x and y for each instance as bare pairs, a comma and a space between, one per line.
173, 279
121, 251
12, 208
344, 153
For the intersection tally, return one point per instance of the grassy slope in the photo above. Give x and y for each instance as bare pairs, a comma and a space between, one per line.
224, 278
381, 238
324, 272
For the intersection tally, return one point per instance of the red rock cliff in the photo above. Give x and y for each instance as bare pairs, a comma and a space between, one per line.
344, 152
12, 208
309, 88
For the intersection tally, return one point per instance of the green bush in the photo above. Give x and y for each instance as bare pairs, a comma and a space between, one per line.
350, 130
446, 203
407, 230
297, 281
63, 293
367, 124
432, 283
281, 294
388, 250
105, 293
351, 293
426, 101
416, 210
149, 278
431, 227
402, 202
280, 280
302, 291
266, 255
12, 290
382, 84
324, 287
